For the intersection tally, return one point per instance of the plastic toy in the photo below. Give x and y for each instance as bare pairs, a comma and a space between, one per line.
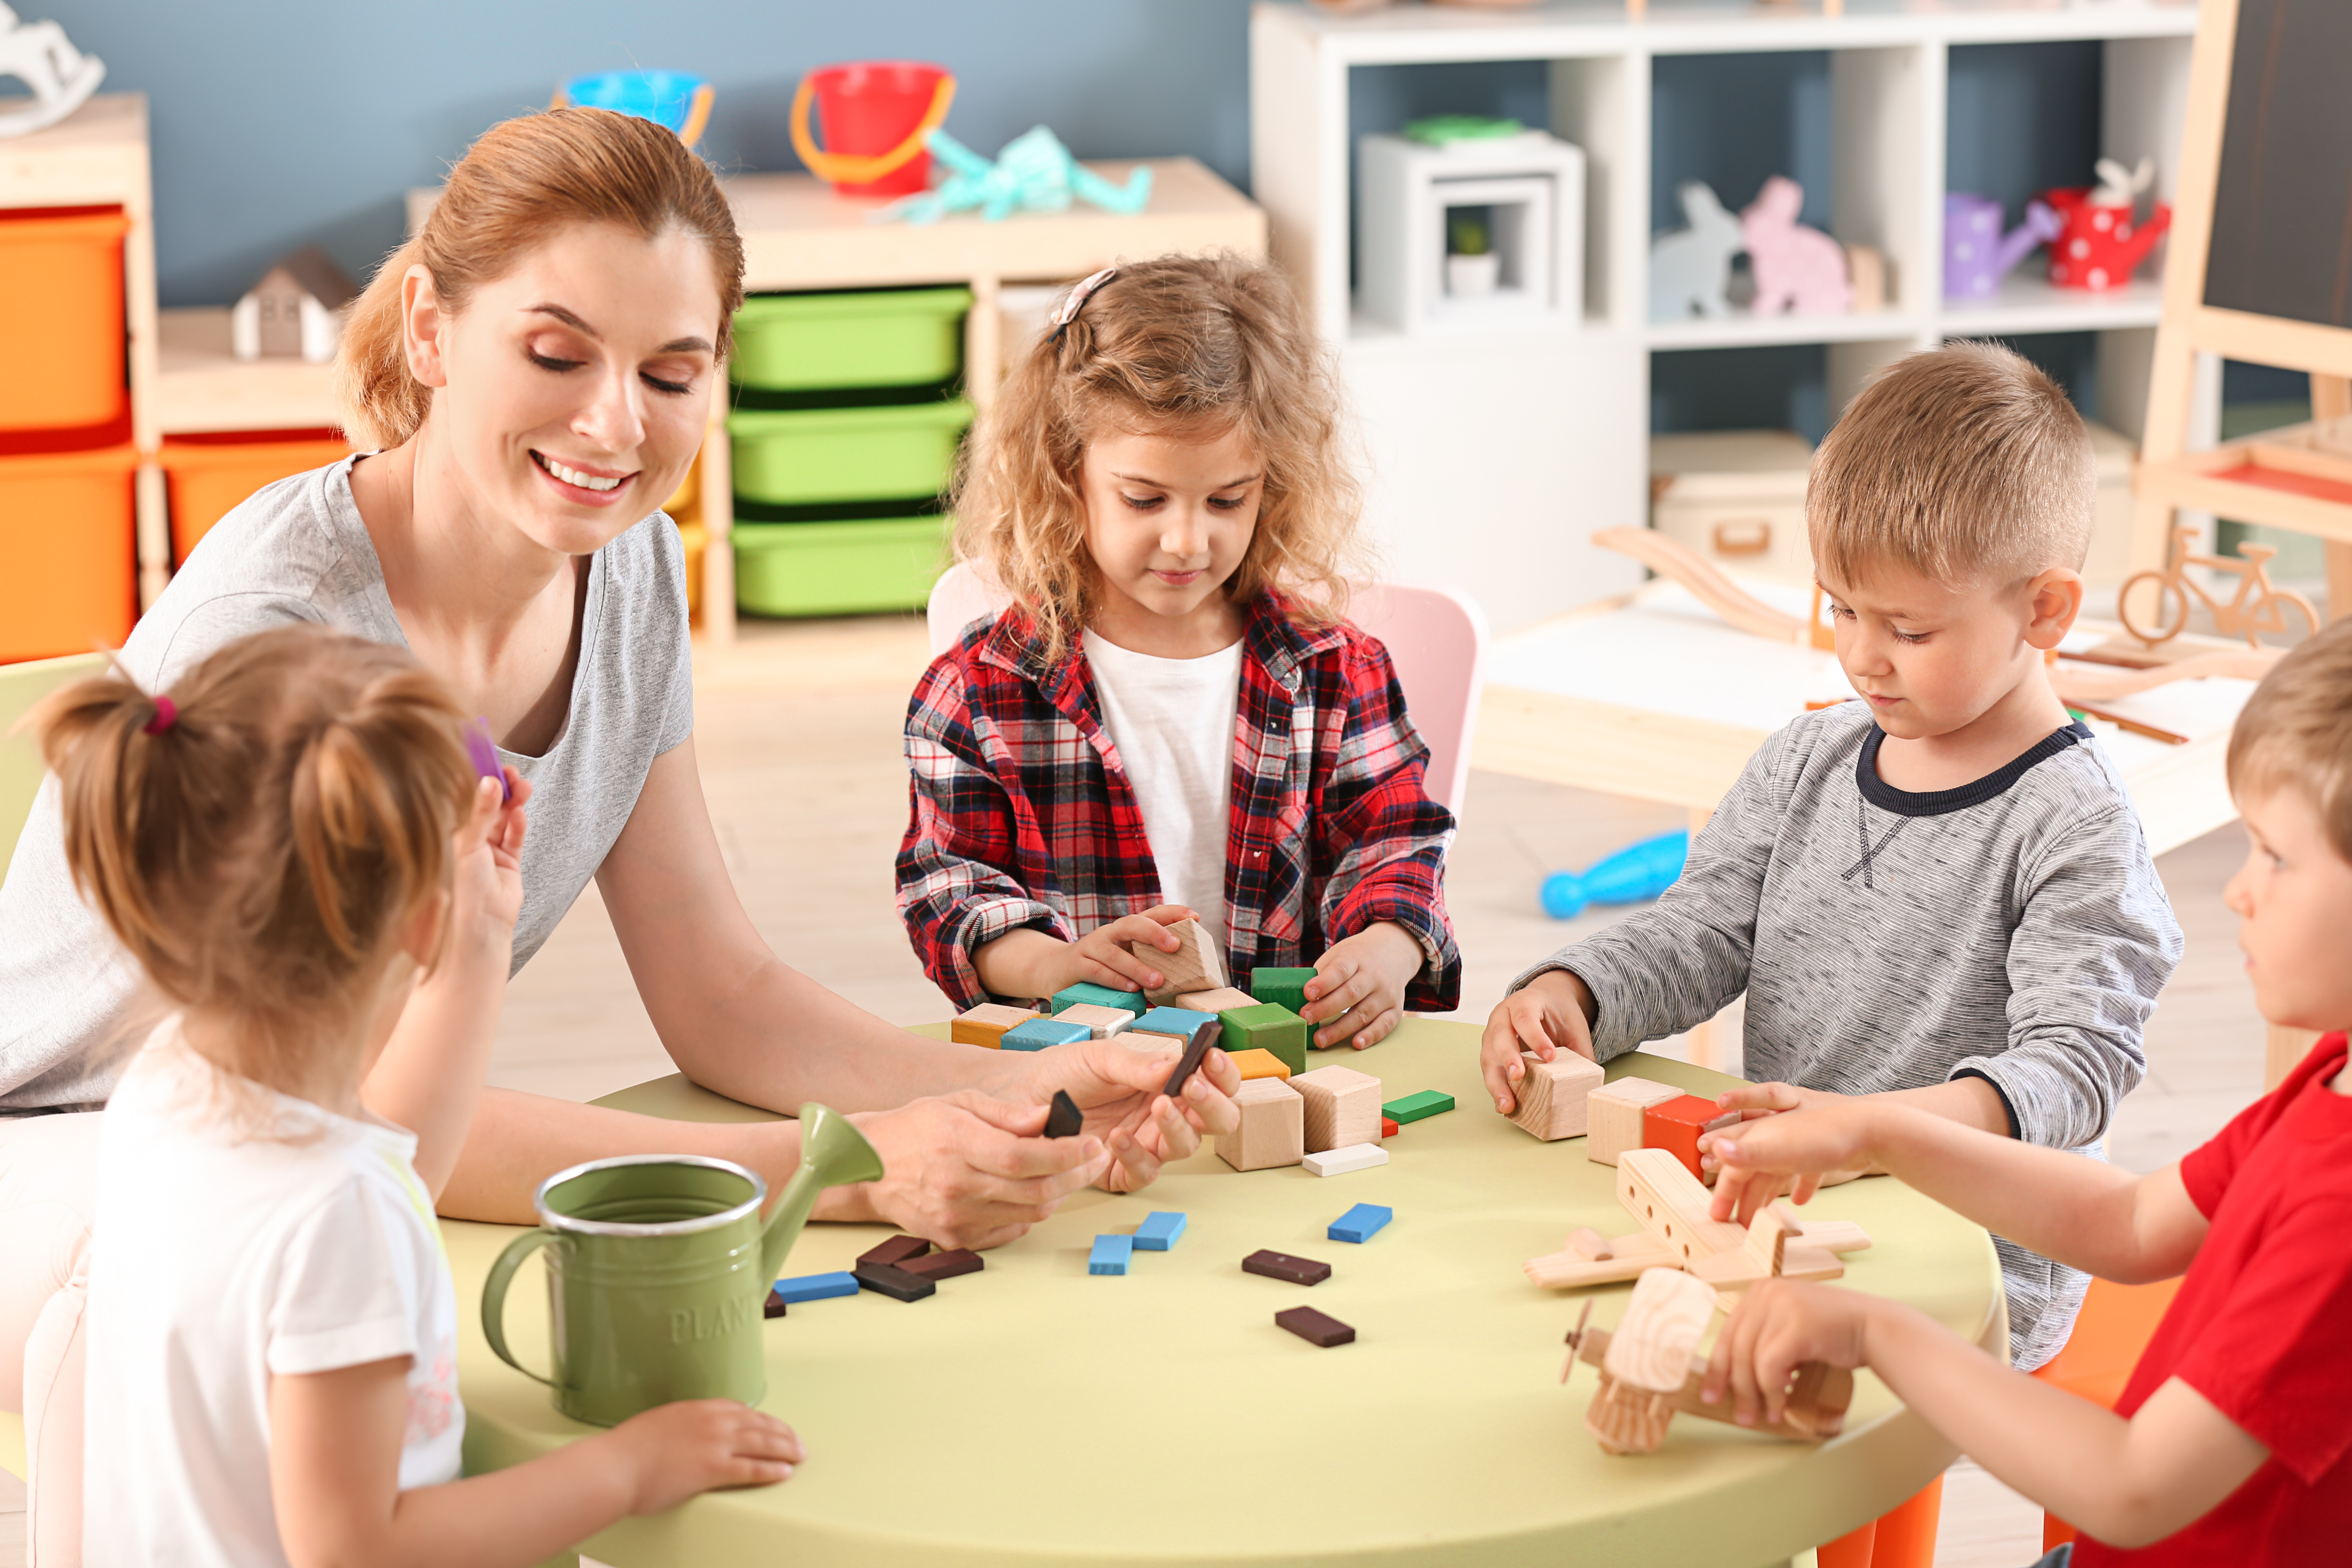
674, 100
1033, 173
483, 753
1690, 269
59, 77
2100, 248
1799, 269
1976, 254
1446, 130
1641, 872
878, 115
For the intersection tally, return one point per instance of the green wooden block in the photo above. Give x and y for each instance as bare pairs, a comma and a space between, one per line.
1413, 1107
1099, 997
1283, 987
1266, 1026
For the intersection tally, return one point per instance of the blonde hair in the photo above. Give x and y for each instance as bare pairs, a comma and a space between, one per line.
258, 849
1175, 345
515, 187
1965, 464
2295, 731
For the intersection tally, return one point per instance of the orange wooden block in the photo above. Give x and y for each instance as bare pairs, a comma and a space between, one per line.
1256, 1063
985, 1025
1677, 1124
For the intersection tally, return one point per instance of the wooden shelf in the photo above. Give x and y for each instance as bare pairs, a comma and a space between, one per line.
202, 387
1741, 330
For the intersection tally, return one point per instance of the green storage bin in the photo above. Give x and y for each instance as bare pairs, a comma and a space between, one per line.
809, 342
839, 568
821, 456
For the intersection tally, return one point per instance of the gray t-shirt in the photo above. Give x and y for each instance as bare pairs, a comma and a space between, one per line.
2012, 929
298, 552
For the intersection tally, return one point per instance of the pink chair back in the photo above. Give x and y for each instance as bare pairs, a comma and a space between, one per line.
1436, 636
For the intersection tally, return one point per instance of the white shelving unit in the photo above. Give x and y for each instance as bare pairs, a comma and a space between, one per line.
1495, 456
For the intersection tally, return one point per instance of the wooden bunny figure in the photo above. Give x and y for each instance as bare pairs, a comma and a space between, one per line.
1797, 269
1690, 269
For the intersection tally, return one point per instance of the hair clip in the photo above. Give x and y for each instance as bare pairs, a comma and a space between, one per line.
165, 711
1080, 293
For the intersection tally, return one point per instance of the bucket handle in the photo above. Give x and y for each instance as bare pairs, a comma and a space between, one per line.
864, 168
698, 111
494, 1297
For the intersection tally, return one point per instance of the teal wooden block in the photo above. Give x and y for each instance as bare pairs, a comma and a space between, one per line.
1038, 1033
1100, 996
1182, 1021
1266, 1026
1283, 987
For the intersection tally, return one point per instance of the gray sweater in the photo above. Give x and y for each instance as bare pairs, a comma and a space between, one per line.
2012, 929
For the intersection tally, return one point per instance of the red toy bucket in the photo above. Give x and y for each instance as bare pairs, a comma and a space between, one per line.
876, 113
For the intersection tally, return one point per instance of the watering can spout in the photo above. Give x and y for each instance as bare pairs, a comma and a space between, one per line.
834, 1153
2042, 226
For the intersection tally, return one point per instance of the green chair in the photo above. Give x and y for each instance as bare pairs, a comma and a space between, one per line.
21, 686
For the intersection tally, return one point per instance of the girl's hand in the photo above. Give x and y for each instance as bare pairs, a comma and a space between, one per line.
1780, 1324
1547, 1016
1119, 1089
677, 1451
969, 1169
1358, 992
1831, 1136
487, 887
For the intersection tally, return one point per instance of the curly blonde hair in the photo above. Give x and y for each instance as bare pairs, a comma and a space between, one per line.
1179, 344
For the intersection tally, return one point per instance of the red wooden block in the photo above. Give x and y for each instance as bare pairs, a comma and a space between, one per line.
1388, 1127
1677, 1124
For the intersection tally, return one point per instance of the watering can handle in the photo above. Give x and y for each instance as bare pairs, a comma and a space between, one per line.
494, 1297
863, 168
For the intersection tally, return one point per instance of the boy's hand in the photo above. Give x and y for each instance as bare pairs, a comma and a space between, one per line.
677, 1451
1781, 1324
1757, 1158
1358, 992
1101, 956
1549, 1014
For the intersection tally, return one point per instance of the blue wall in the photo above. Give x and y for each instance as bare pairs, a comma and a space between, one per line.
281, 122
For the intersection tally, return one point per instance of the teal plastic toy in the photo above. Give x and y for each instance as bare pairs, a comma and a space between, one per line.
672, 99
1628, 877
1033, 173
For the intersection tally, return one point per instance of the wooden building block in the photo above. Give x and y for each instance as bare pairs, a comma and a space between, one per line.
1283, 987
1343, 1107
816, 1286
1413, 1107
1553, 1094
1181, 1022
1671, 1203
1145, 1040
895, 1251
1315, 1329
775, 1305
1222, 999
1360, 1224
1613, 1116
1260, 1064
945, 1265
889, 1279
1100, 1022
1063, 1117
1678, 1123
1388, 1127
1195, 965
1039, 1034
1158, 1232
1087, 994
1110, 1255
1658, 1337
1349, 1157
985, 1025
1196, 1051
1284, 1266
1273, 1130
1262, 1025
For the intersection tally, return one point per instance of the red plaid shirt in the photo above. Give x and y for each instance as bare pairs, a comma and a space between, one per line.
1023, 816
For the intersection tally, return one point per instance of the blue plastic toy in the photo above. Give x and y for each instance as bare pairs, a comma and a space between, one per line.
1628, 877
672, 99
1033, 173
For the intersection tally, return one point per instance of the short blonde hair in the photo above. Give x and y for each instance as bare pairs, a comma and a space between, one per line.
2295, 731
1177, 344
1965, 464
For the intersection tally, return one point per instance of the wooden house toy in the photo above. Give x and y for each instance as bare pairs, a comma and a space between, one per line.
1553, 1095
1343, 1107
1273, 1130
296, 311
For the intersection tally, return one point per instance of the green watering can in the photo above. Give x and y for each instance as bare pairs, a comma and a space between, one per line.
658, 1267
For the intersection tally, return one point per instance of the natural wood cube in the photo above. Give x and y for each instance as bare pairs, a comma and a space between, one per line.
1554, 1094
1343, 1107
1222, 999
985, 1025
1273, 1130
1613, 1116
1102, 1022
1195, 965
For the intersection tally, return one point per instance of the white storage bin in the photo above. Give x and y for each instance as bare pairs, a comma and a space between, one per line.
1736, 496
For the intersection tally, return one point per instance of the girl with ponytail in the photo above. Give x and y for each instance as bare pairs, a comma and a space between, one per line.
284, 843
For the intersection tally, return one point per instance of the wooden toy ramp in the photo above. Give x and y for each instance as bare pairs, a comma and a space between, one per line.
2261, 270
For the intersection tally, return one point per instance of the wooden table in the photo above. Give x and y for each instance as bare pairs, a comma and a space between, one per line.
1033, 1413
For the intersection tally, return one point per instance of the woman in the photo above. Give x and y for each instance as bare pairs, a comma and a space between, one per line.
535, 367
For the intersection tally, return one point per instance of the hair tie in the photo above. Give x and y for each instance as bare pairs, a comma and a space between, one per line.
1080, 293
165, 711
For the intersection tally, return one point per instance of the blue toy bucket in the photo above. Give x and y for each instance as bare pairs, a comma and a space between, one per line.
672, 99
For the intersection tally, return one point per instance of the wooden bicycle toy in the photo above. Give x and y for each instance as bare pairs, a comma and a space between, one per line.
2259, 605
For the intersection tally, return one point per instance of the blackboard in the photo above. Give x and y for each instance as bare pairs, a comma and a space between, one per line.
2282, 206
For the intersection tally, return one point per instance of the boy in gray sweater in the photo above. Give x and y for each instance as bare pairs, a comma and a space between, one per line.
1936, 892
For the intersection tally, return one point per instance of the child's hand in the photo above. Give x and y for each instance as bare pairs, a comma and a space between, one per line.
677, 1451
1358, 991
1101, 956
1757, 1158
487, 887
1546, 1015
1780, 1324
1119, 1089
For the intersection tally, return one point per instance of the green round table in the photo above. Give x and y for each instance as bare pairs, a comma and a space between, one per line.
1032, 1413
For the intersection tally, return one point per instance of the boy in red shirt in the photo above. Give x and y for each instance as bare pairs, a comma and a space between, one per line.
2231, 1440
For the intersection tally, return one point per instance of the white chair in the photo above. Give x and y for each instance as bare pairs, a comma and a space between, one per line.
1437, 638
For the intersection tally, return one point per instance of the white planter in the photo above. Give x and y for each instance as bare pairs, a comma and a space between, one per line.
1472, 277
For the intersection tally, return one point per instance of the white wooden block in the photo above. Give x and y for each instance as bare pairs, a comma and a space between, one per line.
1102, 1022
1343, 1107
1553, 1095
1353, 1157
1614, 1115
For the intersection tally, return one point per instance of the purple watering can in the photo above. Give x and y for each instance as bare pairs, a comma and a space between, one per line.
1976, 254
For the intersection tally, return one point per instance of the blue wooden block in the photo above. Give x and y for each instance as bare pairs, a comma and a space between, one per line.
1038, 1033
1362, 1223
1181, 1022
1158, 1232
816, 1286
1099, 997
1110, 1255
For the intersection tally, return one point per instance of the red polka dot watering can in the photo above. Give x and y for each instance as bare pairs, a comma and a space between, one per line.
2101, 246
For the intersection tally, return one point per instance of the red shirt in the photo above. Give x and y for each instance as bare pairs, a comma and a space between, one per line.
2263, 1326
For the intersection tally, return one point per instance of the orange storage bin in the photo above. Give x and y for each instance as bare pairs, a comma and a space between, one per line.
68, 560
62, 332
205, 478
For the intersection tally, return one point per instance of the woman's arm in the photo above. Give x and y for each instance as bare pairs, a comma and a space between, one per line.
334, 1477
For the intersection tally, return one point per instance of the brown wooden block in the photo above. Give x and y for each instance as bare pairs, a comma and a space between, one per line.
1315, 1328
1217, 1000
1273, 1130
1343, 1108
985, 1025
1284, 1266
1195, 965
887, 1279
945, 1265
1553, 1094
775, 1305
1614, 1115
897, 1250
1260, 1064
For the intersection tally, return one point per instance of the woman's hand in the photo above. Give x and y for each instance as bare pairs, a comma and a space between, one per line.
674, 1452
1549, 1014
1119, 1089
1028, 962
1802, 1142
1358, 992
486, 884
969, 1169
1779, 1325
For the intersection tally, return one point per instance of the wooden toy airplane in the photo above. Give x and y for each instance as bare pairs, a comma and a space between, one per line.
1677, 1233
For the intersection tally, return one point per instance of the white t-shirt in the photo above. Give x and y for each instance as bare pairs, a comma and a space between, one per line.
1173, 723
218, 1259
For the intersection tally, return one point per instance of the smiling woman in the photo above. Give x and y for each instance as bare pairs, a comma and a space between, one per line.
533, 372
